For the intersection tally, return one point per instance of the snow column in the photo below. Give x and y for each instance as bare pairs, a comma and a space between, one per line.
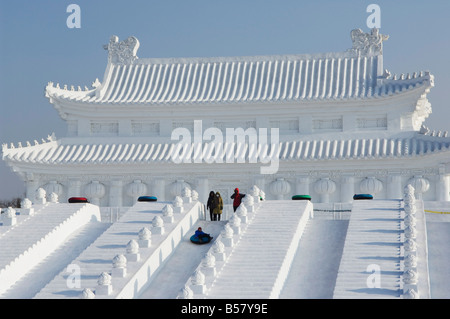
74, 187
302, 185
32, 186
394, 187
115, 193
160, 189
442, 188
347, 188
203, 190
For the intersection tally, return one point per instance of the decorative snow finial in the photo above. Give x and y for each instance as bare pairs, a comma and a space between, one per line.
10, 212
198, 278
241, 210
51, 137
218, 246
104, 279
96, 83
227, 231
132, 247
410, 261
410, 245
123, 52
53, 197
41, 195
249, 200
87, 294
157, 222
119, 261
186, 192
145, 237
26, 203
185, 293
368, 43
410, 220
254, 190
178, 202
387, 74
410, 232
145, 233
410, 276
262, 194
167, 210
208, 260
411, 294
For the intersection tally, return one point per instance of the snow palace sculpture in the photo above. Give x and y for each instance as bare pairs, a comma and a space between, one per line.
335, 124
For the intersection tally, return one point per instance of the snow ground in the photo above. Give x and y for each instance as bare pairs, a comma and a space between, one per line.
313, 272
438, 233
29, 285
315, 266
173, 277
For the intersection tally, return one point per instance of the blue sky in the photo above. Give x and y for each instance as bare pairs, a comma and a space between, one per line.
38, 47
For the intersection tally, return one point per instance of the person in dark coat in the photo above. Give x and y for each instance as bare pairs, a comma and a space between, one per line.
219, 207
211, 204
237, 198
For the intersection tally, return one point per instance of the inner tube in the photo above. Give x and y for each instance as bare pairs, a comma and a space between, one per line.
362, 196
147, 199
78, 200
200, 241
301, 197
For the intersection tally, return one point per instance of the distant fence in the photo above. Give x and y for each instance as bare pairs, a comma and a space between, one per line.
112, 214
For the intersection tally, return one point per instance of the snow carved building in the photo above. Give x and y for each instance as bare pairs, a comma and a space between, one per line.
328, 125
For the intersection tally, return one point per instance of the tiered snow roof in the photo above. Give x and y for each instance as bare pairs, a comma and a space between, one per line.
63, 152
355, 74
243, 80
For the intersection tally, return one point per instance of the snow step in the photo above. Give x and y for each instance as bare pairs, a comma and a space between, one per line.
34, 237
370, 262
40, 275
278, 226
97, 258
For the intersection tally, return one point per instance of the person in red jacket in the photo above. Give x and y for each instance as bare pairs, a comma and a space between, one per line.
237, 198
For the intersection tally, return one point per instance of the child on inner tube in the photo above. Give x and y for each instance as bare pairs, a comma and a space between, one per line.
201, 235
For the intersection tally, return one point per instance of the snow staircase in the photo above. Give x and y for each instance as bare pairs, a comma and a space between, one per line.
97, 259
34, 237
263, 253
371, 260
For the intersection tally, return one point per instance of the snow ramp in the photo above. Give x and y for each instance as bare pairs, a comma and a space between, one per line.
36, 236
372, 263
257, 263
141, 265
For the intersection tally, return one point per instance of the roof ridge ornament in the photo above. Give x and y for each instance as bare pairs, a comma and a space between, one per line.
368, 43
123, 52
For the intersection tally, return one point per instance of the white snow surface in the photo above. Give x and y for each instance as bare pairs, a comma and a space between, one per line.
314, 269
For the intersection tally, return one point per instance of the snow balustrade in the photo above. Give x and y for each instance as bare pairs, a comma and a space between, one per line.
38, 247
9, 217
415, 279
141, 256
216, 257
